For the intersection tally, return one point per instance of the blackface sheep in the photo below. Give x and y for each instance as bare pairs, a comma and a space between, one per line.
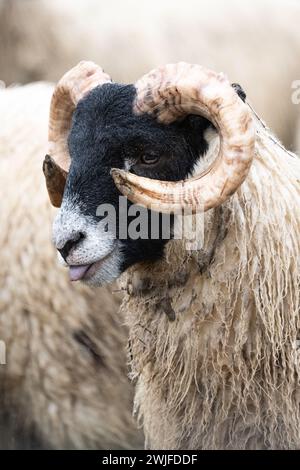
64, 384
214, 332
256, 42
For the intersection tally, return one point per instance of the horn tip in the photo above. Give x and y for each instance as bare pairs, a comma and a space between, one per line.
48, 165
120, 180
118, 174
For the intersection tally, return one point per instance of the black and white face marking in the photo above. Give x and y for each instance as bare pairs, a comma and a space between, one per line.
106, 134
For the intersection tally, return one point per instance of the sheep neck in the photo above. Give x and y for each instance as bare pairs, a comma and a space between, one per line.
224, 373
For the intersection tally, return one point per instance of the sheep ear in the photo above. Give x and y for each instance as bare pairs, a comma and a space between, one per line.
55, 180
239, 91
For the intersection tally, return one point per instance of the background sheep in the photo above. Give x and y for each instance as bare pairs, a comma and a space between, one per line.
64, 384
256, 43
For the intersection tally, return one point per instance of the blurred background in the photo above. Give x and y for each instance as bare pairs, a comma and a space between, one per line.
257, 43
64, 384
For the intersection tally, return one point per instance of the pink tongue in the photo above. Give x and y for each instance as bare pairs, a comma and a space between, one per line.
77, 272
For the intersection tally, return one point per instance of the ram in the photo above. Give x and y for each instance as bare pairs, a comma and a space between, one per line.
64, 383
214, 331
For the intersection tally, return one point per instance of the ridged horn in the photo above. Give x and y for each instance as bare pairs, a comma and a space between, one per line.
71, 88
171, 92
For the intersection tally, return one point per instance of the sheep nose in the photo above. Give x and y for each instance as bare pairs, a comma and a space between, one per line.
70, 243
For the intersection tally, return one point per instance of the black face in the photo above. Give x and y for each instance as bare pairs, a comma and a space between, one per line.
106, 134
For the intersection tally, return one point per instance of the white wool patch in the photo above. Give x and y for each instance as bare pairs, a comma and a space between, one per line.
212, 138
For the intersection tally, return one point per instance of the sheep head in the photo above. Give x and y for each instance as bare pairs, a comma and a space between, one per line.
169, 93
143, 141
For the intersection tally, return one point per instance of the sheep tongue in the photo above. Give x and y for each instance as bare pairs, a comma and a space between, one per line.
77, 272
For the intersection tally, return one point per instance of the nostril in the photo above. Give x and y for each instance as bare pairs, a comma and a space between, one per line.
71, 243
81, 236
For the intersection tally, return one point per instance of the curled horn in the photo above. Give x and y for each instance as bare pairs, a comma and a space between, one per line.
172, 92
73, 86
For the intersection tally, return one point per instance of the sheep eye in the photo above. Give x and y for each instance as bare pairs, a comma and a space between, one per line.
149, 159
